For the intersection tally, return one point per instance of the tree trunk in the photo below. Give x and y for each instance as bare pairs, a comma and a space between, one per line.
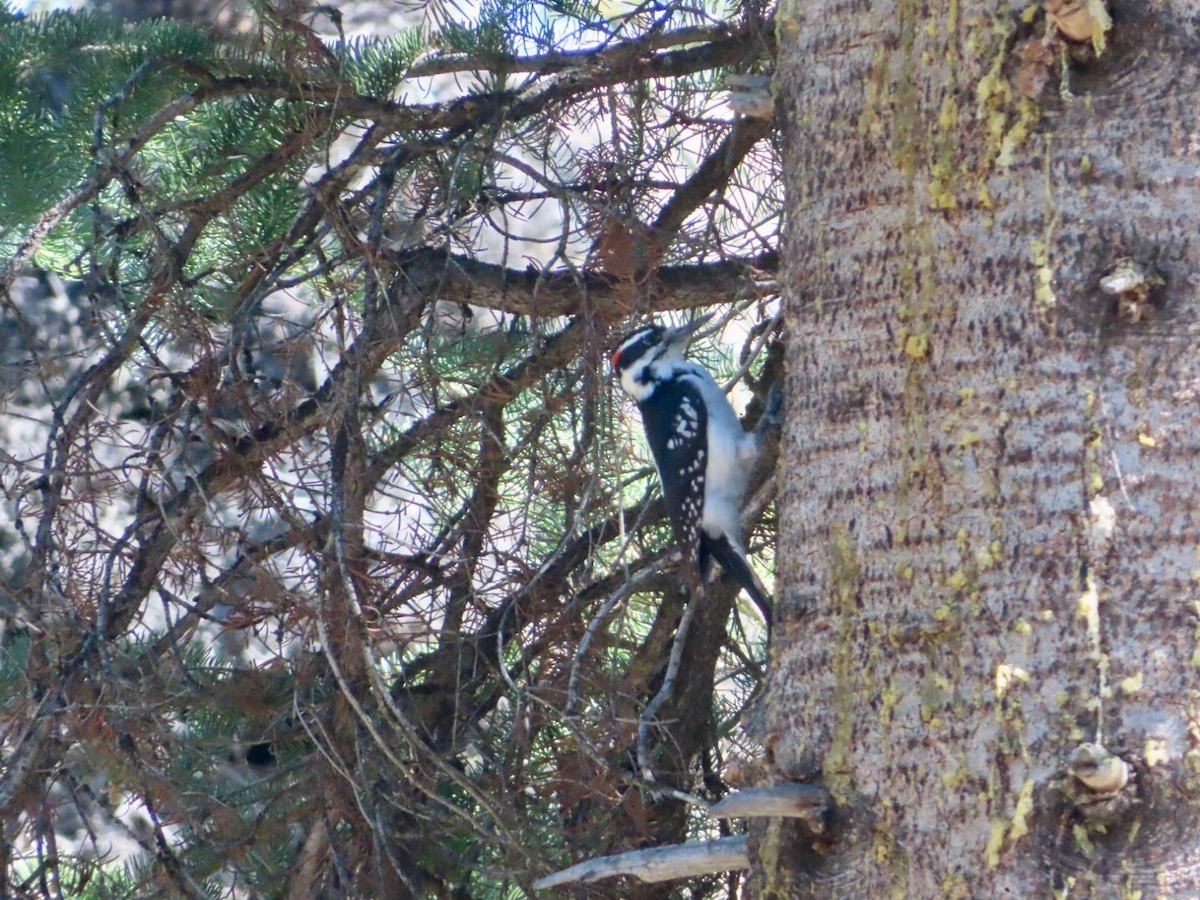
989, 540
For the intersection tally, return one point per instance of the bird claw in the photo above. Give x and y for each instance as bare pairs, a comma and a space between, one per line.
773, 408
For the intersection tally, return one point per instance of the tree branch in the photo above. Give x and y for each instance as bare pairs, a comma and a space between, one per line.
613, 55
532, 292
659, 863
799, 801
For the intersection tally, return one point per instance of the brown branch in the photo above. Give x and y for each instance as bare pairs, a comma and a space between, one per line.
25, 752
554, 353
159, 529
712, 175
612, 55
533, 292
608, 68
494, 461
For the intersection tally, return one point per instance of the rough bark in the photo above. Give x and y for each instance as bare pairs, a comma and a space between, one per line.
989, 528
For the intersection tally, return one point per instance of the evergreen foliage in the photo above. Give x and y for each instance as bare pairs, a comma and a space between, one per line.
337, 568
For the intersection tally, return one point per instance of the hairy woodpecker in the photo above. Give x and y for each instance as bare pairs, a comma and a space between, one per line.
703, 455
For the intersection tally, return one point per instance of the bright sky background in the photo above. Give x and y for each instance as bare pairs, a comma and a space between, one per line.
28, 6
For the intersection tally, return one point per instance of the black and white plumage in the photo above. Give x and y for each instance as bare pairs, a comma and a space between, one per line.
703, 455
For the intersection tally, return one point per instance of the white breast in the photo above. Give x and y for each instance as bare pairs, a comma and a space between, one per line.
731, 455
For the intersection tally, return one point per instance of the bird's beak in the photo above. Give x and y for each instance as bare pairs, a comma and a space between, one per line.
683, 334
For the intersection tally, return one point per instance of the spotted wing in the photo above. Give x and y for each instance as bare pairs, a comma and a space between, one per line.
677, 431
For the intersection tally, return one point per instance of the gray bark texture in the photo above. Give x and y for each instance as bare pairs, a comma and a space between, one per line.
989, 562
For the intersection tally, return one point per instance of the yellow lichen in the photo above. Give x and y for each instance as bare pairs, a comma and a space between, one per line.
1001, 831
1196, 609
1132, 684
1102, 22
1082, 841
996, 832
844, 579
1007, 676
948, 114
988, 556
888, 699
1088, 609
952, 778
916, 347
941, 194
1043, 293
1020, 826
1155, 751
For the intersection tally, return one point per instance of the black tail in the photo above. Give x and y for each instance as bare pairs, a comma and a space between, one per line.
733, 562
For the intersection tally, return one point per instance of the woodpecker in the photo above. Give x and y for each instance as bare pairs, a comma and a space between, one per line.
703, 455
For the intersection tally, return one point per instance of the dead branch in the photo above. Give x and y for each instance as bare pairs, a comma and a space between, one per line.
798, 801
687, 860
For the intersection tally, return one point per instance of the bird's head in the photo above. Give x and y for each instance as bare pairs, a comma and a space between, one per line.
646, 355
